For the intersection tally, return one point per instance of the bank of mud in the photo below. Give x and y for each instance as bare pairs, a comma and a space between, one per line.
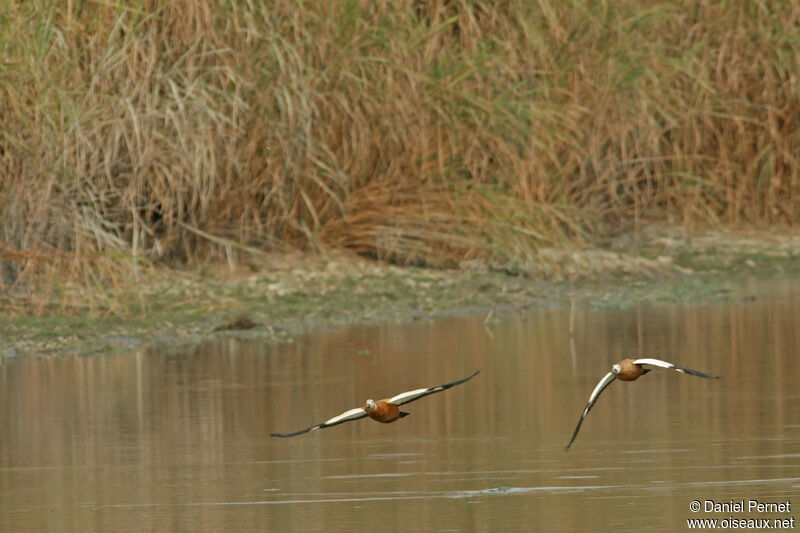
275, 298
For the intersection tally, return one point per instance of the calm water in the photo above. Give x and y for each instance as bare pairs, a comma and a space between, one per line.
156, 442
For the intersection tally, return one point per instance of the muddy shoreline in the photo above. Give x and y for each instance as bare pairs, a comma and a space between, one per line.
278, 298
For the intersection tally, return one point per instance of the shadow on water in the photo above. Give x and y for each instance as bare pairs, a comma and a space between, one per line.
149, 441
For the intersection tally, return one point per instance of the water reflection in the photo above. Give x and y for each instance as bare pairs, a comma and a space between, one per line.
153, 441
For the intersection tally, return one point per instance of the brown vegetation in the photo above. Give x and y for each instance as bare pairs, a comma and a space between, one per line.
417, 132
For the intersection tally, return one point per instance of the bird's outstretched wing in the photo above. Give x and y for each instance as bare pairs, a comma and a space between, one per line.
605, 382
410, 396
360, 412
665, 364
347, 416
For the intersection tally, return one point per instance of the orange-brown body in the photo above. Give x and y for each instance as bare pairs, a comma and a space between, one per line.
382, 411
626, 370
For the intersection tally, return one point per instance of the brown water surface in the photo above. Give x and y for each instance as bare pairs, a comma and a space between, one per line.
162, 442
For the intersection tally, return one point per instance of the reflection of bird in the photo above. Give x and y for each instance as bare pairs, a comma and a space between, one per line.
383, 410
629, 370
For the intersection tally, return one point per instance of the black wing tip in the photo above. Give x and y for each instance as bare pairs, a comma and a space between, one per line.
574, 436
575, 433
284, 435
459, 381
698, 373
292, 434
464, 380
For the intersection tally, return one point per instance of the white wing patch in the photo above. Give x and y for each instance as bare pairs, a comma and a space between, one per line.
608, 378
654, 362
352, 414
405, 397
412, 395
664, 364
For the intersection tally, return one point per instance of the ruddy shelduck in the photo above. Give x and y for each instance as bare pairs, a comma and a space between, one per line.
629, 370
385, 411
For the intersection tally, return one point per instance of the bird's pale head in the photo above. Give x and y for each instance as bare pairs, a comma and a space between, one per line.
371, 405
616, 369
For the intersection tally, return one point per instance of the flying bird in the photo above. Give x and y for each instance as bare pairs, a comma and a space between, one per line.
385, 411
629, 370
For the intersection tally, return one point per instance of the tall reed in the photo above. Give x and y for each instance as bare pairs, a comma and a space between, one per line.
422, 132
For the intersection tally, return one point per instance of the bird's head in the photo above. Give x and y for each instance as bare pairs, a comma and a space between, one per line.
370, 405
616, 369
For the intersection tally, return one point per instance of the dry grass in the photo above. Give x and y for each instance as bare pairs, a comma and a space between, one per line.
425, 133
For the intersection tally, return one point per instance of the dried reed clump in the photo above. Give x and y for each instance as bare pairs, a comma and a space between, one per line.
426, 133
64, 283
